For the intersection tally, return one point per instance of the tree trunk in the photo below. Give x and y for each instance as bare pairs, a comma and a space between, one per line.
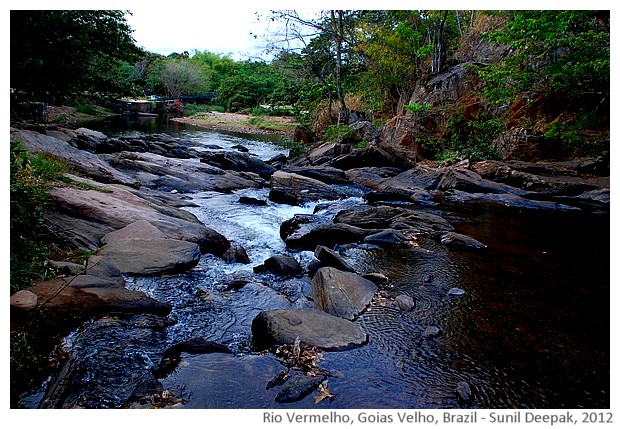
337, 22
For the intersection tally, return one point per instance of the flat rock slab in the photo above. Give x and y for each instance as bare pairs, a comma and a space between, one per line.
341, 293
151, 256
313, 327
69, 302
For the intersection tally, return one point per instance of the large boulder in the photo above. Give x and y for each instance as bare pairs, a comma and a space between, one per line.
505, 200
462, 179
313, 327
306, 232
340, 293
371, 177
77, 303
382, 217
372, 155
142, 249
322, 154
329, 258
527, 144
283, 265
151, 256
294, 189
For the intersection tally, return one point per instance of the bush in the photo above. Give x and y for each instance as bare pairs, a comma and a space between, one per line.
338, 133
29, 178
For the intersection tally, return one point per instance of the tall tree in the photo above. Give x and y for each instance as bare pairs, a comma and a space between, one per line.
335, 26
59, 54
180, 77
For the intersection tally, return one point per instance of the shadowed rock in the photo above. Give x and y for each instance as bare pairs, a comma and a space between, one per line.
294, 189
298, 387
331, 259
460, 241
341, 293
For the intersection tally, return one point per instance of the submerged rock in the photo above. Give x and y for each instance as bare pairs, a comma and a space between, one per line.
460, 241
405, 302
298, 387
387, 237
463, 391
431, 331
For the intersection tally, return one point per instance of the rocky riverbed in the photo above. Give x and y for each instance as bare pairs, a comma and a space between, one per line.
128, 204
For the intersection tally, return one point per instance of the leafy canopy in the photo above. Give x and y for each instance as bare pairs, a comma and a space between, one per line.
59, 54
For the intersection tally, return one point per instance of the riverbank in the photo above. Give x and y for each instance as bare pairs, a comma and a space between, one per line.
242, 123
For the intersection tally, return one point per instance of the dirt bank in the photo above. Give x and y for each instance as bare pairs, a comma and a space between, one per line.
238, 122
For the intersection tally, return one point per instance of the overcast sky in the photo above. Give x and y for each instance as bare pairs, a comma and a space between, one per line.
225, 26
219, 30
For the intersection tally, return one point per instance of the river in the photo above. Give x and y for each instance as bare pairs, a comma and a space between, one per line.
530, 330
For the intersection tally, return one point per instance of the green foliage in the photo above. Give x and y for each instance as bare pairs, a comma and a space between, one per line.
338, 133
87, 109
295, 148
198, 109
29, 178
417, 107
562, 53
60, 54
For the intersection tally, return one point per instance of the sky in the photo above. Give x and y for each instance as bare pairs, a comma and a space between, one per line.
228, 26
223, 31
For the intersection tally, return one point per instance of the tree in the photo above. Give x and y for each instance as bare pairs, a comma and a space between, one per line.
60, 54
565, 54
180, 77
333, 26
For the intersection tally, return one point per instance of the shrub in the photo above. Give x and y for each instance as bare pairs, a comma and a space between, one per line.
338, 133
28, 200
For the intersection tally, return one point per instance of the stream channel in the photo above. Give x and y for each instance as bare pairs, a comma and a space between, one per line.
530, 330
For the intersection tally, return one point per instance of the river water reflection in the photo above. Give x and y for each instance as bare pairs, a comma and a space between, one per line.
531, 329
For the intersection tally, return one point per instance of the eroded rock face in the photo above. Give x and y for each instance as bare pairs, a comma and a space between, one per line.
341, 293
313, 327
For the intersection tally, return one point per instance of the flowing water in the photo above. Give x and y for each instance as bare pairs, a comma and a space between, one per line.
528, 328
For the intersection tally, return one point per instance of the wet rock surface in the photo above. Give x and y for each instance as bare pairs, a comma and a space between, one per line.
312, 326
